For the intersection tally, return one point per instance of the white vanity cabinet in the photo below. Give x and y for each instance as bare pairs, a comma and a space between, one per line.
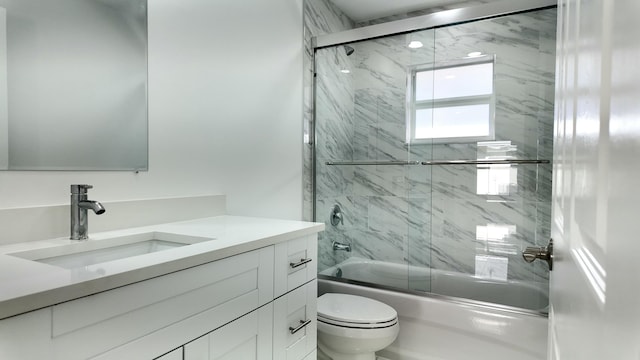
284, 329
239, 307
248, 338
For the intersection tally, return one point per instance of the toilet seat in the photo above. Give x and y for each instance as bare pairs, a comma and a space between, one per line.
355, 325
356, 312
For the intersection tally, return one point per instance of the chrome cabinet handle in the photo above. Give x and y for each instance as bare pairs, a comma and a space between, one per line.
303, 323
300, 263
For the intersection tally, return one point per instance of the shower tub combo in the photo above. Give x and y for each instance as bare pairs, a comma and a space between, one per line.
431, 167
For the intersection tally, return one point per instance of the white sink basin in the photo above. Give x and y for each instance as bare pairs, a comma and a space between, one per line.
92, 252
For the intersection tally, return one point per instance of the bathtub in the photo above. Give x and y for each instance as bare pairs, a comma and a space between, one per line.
435, 327
518, 294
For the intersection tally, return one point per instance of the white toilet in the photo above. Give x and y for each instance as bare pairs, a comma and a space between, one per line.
354, 327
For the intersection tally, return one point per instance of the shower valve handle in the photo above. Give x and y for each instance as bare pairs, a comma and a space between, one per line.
336, 216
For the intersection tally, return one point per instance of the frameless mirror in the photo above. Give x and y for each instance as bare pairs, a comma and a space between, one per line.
73, 85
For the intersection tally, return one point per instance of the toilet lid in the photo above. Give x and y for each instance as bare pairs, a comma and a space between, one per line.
354, 309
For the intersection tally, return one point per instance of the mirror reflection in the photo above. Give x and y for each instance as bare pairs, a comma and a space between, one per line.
73, 85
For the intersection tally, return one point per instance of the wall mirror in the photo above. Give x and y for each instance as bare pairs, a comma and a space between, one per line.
73, 85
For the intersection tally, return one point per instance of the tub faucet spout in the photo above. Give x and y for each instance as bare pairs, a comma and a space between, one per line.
340, 246
79, 206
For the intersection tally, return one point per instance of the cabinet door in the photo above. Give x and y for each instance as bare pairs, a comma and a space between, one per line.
174, 355
149, 318
247, 338
294, 323
295, 263
312, 356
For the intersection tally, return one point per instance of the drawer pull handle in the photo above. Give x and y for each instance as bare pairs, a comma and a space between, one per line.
302, 262
303, 323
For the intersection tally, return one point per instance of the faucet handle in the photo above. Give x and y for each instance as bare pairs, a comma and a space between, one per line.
336, 216
80, 188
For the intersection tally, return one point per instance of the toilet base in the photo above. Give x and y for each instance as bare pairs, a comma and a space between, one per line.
327, 354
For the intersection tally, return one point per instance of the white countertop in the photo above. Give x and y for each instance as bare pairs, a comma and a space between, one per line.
27, 285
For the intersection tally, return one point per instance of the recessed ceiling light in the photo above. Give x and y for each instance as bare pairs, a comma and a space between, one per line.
474, 54
415, 44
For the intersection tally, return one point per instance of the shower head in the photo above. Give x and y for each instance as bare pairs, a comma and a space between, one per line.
349, 50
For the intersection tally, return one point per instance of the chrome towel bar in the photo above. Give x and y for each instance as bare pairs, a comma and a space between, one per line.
442, 162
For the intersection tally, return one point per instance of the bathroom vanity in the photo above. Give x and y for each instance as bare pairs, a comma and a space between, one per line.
232, 288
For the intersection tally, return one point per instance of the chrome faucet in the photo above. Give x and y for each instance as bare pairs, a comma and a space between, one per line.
338, 246
79, 206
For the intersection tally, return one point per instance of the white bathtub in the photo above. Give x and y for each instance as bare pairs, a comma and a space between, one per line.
519, 294
439, 328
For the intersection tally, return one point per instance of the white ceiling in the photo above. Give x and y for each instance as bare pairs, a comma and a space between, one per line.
360, 10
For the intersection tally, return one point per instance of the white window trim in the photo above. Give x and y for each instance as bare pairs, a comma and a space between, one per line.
412, 105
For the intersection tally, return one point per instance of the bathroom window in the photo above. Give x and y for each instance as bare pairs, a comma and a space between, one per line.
451, 102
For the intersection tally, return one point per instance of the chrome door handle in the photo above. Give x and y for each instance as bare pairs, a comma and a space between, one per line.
300, 263
531, 253
303, 323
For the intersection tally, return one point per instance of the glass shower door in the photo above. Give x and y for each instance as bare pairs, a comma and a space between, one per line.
365, 166
494, 79
432, 156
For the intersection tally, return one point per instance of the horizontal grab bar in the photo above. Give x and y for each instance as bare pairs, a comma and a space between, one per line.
373, 163
439, 162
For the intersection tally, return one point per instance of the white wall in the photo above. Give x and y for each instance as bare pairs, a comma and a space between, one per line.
225, 106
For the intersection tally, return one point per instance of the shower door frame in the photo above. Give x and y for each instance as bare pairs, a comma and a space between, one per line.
431, 21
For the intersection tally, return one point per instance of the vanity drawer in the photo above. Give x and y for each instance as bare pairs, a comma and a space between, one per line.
163, 312
294, 324
296, 262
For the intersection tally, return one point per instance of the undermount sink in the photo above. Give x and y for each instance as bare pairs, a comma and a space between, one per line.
92, 252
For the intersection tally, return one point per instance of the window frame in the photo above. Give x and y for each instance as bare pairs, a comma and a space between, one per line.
412, 105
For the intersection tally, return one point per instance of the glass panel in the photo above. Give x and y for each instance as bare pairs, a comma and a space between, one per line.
424, 85
453, 102
455, 82
459, 81
361, 116
454, 122
485, 215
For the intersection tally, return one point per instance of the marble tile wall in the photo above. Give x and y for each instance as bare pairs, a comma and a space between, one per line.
434, 216
401, 16
334, 102
320, 17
